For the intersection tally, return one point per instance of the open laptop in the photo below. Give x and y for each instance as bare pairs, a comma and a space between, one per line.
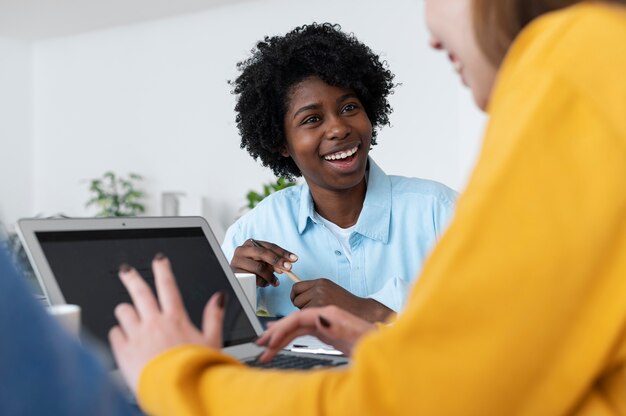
77, 260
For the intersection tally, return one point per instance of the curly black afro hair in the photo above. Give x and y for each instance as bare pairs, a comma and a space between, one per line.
278, 63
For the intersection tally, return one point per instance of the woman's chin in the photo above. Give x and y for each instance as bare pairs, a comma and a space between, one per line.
481, 100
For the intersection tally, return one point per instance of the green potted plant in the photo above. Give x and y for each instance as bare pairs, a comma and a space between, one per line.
255, 197
116, 196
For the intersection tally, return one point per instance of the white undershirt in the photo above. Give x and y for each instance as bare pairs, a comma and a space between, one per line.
342, 234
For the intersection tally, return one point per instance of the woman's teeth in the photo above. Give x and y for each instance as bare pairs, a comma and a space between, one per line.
342, 155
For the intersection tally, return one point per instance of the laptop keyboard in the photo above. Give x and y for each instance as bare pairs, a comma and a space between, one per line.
285, 361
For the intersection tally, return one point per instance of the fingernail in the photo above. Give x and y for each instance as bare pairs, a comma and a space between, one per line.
325, 322
159, 256
287, 265
124, 268
293, 257
220, 300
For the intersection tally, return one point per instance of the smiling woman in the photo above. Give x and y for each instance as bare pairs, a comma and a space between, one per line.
328, 136
469, 61
309, 104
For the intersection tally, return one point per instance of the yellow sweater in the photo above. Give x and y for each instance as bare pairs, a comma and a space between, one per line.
521, 309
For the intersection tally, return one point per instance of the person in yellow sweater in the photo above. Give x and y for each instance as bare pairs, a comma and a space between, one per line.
520, 309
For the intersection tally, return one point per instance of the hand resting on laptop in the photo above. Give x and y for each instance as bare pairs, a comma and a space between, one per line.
330, 324
151, 326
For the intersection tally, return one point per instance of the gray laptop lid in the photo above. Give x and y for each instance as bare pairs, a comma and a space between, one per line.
77, 261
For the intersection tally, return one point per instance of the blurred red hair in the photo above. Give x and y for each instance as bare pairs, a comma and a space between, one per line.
498, 22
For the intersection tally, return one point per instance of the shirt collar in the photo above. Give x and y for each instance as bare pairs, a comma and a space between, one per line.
375, 216
306, 208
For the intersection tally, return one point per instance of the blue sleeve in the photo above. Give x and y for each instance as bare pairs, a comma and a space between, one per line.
444, 210
43, 370
396, 289
232, 240
393, 294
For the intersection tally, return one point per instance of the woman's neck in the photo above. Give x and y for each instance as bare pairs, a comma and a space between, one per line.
340, 207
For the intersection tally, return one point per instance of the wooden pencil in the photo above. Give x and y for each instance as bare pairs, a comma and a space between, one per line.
294, 277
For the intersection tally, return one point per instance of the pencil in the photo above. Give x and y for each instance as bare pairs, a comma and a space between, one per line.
294, 277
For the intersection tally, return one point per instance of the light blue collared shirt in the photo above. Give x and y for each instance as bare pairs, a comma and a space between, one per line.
401, 220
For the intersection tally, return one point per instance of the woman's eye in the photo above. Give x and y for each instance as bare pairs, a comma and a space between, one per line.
311, 119
349, 107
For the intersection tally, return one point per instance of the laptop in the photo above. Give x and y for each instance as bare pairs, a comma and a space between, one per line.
76, 261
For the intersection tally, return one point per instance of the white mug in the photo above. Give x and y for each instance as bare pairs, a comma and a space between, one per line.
68, 316
248, 284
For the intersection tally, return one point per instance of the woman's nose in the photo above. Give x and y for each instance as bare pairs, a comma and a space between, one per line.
338, 128
435, 43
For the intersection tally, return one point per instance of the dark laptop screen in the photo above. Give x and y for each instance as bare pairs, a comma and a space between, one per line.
85, 265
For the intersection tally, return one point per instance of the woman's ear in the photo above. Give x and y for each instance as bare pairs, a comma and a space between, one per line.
284, 152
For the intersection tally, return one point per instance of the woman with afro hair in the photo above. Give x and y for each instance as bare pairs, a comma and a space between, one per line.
309, 104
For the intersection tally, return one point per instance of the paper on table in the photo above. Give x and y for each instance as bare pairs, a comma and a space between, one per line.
311, 345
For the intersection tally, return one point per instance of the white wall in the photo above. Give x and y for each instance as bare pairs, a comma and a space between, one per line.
16, 160
152, 98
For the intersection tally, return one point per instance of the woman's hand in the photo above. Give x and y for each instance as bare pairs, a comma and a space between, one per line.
330, 324
151, 326
263, 259
323, 292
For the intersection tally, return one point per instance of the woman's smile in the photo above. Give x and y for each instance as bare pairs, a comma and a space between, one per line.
328, 135
342, 154
344, 160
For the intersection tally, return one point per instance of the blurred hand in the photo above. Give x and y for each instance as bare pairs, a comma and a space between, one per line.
262, 259
150, 326
323, 292
330, 324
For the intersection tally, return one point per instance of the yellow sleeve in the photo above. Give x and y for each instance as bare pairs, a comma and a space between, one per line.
521, 308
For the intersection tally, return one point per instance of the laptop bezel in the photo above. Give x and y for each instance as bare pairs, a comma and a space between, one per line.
28, 227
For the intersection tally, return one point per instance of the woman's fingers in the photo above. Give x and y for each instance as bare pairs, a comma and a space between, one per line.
261, 282
117, 339
340, 328
139, 291
301, 292
212, 321
278, 343
331, 324
278, 250
263, 259
246, 264
146, 331
166, 287
275, 256
282, 332
127, 317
